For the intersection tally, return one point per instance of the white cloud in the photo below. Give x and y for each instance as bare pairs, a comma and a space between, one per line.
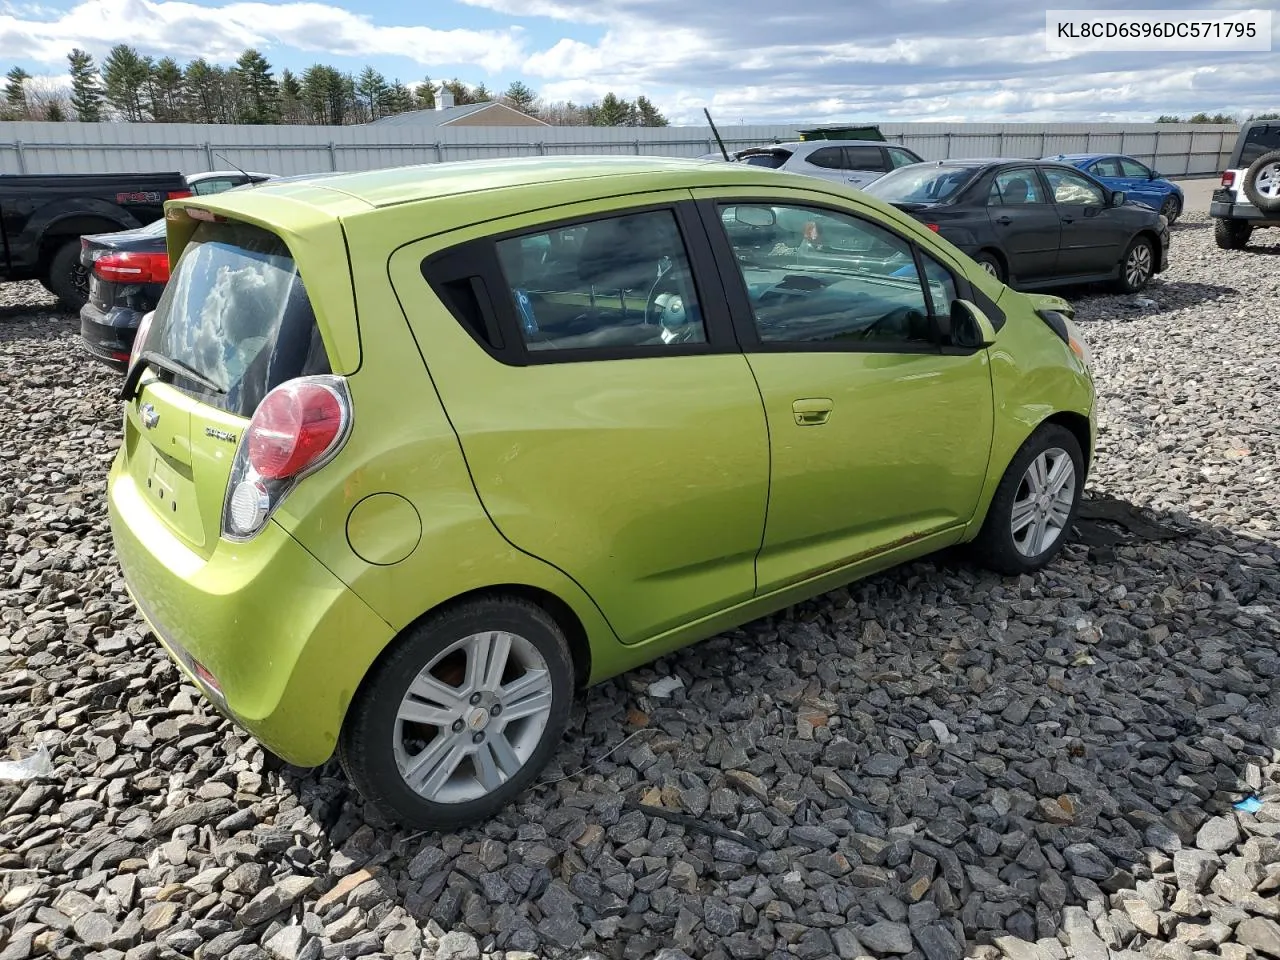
185, 30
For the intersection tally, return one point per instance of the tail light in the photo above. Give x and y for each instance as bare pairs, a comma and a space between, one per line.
133, 267
932, 226
179, 194
1229, 178
298, 428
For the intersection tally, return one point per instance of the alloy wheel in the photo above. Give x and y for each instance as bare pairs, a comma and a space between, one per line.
1267, 182
1137, 266
1042, 506
472, 718
990, 268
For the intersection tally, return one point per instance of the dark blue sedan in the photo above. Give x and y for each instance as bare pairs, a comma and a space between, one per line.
1138, 181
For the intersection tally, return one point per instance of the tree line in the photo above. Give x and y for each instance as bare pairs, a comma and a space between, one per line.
130, 86
1215, 118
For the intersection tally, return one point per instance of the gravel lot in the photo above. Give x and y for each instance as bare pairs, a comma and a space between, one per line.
934, 763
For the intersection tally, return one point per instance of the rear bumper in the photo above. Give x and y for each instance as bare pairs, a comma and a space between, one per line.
286, 642
1224, 207
108, 335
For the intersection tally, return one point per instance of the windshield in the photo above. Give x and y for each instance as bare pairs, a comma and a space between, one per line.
916, 184
236, 312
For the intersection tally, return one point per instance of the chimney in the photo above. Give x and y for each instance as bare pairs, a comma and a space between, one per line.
444, 99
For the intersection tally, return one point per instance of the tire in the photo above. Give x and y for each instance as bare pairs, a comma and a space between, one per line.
1231, 234
1262, 182
67, 279
1137, 267
991, 264
374, 742
1171, 209
997, 546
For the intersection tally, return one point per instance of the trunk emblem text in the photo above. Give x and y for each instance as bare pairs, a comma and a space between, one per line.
220, 434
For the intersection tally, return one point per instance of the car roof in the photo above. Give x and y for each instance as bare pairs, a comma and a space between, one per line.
214, 174
585, 178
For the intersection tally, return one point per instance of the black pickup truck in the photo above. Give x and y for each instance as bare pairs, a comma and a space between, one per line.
43, 217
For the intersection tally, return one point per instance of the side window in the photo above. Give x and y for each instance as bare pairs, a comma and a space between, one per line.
1013, 187
864, 158
1073, 188
1107, 168
832, 158
900, 157
832, 279
620, 282
1261, 139
1132, 168
217, 185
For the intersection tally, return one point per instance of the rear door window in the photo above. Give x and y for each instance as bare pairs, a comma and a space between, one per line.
1259, 140
831, 158
1107, 167
865, 158
236, 313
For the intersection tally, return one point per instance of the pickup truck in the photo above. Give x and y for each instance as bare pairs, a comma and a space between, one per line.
43, 217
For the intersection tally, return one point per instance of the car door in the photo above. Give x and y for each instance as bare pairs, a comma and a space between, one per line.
825, 162
1137, 183
879, 439
1025, 223
864, 164
610, 423
1092, 235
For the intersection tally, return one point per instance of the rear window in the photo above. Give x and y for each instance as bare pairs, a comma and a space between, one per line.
1258, 141
773, 159
920, 183
237, 313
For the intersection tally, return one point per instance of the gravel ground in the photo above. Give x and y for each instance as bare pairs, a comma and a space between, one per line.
931, 764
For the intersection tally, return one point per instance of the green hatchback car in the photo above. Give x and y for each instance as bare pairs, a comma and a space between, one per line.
410, 456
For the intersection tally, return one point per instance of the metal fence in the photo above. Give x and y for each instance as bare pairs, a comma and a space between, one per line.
32, 147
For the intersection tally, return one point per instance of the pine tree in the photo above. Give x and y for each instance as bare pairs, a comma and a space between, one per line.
480, 94
425, 93
54, 114
327, 94
15, 92
166, 91
259, 95
461, 92
520, 97
291, 108
86, 94
398, 99
203, 89
372, 87
614, 112
647, 115
125, 75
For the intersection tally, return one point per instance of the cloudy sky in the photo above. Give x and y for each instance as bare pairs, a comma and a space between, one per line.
749, 60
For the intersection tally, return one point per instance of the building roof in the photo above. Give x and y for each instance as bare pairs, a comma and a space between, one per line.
436, 118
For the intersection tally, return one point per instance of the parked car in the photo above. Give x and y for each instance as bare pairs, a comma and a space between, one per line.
1138, 181
1249, 197
1032, 223
216, 181
411, 454
44, 217
855, 162
127, 273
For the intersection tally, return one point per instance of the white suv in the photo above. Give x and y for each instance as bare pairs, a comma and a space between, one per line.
1249, 197
854, 162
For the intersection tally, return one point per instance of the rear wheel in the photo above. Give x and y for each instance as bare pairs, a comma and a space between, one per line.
991, 264
1262, 182
1035, 504
461, 716
1171, 209
1137, 266
66, 278
1231, 234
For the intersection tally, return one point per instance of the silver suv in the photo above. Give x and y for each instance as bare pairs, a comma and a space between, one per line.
1249, 197
854, 162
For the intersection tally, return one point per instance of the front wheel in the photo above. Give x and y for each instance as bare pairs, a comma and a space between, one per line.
1137, 266
459, 718
1171, 209
1035, 504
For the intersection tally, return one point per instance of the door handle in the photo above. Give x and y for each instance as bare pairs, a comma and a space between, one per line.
1068, 219
1004, 221
811, 412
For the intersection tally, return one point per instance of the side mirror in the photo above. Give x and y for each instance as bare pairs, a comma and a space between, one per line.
1117, 198
970, 326
1155, 176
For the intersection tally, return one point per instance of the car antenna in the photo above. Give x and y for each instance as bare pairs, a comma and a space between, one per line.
717, 134
239, 168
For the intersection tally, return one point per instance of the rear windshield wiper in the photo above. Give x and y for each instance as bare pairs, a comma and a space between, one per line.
176, 367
